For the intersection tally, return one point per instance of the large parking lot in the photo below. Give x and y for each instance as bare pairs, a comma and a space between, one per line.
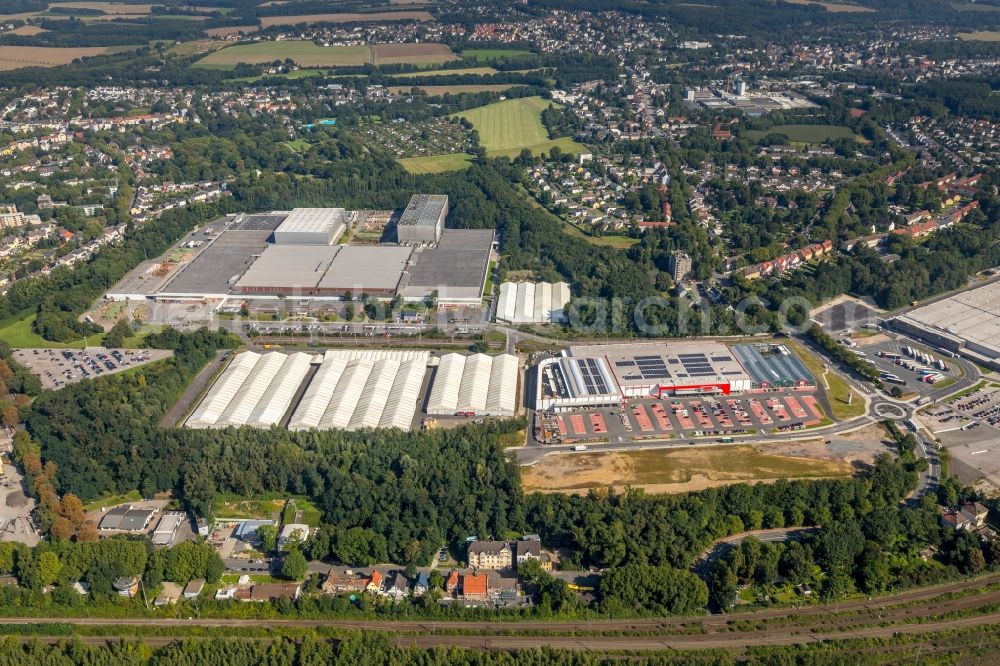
776, 411
978, 409
59, 367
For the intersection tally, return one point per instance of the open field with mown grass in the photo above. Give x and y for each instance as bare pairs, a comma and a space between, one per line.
436, 163
838, 391
302, 52
107, 7
805, 133
413, 54
16, 57
673, 470
342, 17
508, 127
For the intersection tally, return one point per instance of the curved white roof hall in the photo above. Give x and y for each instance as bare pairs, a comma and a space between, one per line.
279, 394
347, 394
239, 408
316, 399
404, 395
375, 394
223, 390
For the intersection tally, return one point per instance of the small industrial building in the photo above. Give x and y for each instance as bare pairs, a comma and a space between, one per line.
166, 529
607, 375
126, 518
311, 226
532, 303
967, 323
423, 219
474, 385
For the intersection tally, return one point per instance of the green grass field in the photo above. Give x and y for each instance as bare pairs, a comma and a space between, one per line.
838, 391
18, 333
436, 163
508, 127
445, 72
489, 54
297, 74
302, 52
434, 91
113, 500
805, 133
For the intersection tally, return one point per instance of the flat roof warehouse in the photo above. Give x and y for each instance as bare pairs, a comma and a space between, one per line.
607, 375
296, 254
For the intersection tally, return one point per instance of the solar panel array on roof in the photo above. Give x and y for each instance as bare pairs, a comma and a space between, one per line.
652, 367
593, 380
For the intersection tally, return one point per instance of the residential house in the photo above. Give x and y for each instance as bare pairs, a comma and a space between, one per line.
451, 583
971, 516
127, 586
529, 549
270, 592
422, 585
344, 583
490, 555
194, 588
399, 586
375, 582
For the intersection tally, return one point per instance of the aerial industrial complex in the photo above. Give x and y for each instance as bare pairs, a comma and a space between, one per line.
355, 389
608, 375
967, 323
299, 253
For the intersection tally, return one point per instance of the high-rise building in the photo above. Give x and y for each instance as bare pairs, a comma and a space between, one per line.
680, 265
741, 88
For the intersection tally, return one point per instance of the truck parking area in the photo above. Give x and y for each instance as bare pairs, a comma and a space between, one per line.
651, 419
918, 371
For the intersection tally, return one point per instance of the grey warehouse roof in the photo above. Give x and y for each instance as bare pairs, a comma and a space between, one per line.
423, 210
289, 266
359, 267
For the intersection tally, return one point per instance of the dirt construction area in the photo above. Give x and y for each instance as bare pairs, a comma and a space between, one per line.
686, 469
15, 509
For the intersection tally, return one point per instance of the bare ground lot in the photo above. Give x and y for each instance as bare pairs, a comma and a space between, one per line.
268, 21
696, 468
15, 57
27, 30
386, 54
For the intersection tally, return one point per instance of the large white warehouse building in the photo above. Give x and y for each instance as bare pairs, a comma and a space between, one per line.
478, 385
532, 303
256, 389
357, 389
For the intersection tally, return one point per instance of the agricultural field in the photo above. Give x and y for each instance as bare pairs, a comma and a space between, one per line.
679, 470
16, 57
805, 133
445, 72
27, 30
107, 7
436, 163
490, 54
304, 53
833, 7
981, 36
508, 127
412, 54
296, 74
433, 91
268, 21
